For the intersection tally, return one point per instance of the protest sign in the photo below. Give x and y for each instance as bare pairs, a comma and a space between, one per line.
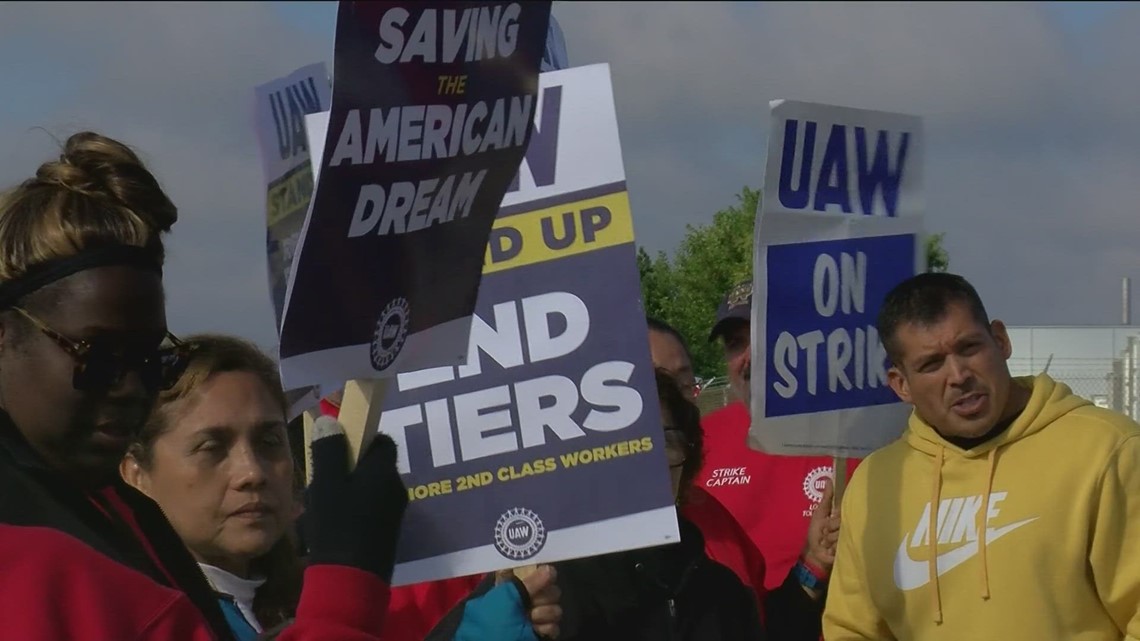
840, 225
431, 112
281, 106
548, 443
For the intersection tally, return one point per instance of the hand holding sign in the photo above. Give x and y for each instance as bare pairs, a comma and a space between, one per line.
823, 530
427, 126
558, 389
541, 596
354, 514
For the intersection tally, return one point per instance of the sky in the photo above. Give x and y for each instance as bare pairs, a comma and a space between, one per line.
1033, 145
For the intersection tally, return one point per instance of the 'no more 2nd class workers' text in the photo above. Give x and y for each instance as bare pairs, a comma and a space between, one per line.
541, 466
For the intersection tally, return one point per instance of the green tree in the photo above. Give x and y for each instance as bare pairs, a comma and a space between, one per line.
656, 282
708, 262
686, 290
937, 260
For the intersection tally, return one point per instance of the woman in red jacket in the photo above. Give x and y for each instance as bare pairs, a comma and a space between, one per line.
84, 351
216, 458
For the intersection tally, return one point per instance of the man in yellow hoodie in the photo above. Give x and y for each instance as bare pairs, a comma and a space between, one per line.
1008, 511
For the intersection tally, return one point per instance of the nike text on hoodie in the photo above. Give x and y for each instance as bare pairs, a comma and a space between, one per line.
1034, 535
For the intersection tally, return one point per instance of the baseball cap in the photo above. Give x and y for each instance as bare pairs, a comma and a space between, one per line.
736, 306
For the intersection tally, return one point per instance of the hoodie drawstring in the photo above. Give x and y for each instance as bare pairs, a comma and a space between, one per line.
932, 562
983, 519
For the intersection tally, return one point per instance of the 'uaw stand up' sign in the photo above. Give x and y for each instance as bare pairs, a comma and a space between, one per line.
548, 443
431, 113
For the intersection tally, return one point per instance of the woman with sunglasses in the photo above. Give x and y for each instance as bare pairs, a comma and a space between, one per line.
84, 352
675, 592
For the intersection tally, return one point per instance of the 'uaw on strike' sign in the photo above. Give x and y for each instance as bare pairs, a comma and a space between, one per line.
840, 225
431, 112
547, 444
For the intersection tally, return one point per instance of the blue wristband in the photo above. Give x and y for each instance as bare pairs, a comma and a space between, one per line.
807, 578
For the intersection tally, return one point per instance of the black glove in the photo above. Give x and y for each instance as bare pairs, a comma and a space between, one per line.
353, 518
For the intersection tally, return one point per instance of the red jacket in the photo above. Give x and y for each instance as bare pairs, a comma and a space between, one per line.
413, 610
772, 497
57, 588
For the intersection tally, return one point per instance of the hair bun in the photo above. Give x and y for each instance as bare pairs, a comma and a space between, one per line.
99, 167
96, 193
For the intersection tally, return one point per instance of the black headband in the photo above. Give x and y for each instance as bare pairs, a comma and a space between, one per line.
46, 273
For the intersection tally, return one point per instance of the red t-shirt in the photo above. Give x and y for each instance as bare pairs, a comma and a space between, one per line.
772, 497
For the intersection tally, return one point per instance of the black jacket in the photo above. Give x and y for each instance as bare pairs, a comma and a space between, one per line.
791, 615
670, 593
31, 494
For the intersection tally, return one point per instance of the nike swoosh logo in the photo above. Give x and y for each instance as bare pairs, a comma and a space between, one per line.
911, 574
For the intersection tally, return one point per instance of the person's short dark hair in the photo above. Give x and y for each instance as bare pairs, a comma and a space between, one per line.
924, 300
658, 325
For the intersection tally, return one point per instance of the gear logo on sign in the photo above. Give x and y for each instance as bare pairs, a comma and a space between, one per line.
813, 483
519, 534
391, 332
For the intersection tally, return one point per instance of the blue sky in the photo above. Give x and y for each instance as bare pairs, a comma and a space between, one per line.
1080, 16
1033, 150
315, 17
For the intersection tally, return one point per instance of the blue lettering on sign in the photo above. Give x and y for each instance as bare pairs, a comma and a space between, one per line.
832, 185
289, 108
823, 299
542, 150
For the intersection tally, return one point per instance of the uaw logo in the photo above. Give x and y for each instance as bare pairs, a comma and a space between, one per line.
391, 332
814, 484
519, 534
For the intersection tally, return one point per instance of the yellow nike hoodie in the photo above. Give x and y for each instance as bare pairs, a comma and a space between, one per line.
1057, 496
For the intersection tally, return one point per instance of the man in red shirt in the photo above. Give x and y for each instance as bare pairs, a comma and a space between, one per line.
772, 497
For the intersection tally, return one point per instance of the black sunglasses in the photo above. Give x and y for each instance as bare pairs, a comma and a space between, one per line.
100, 367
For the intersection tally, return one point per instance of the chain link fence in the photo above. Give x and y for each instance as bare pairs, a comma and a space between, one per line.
715, 394
1096, 379
1101, 364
